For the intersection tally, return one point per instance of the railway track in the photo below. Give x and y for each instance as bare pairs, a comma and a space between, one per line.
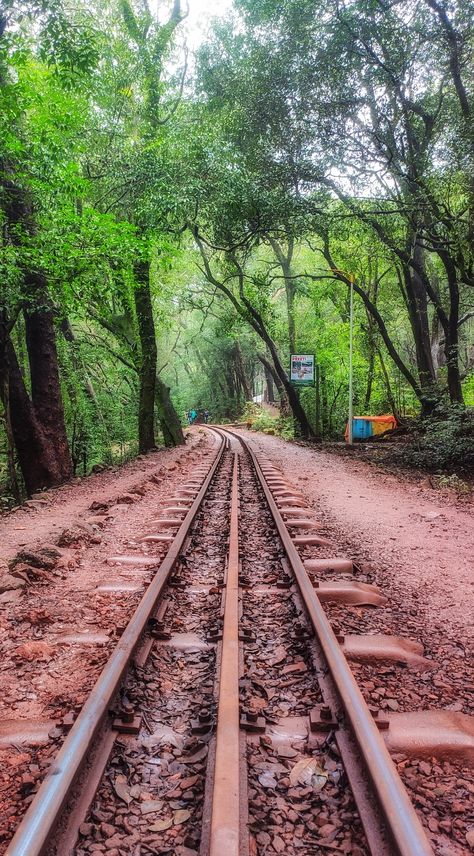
227, 720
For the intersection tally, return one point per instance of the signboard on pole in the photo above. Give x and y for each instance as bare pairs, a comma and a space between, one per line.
302, 369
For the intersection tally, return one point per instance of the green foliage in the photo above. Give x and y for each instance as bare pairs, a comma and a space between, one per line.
293, 150
444, 442
259, 419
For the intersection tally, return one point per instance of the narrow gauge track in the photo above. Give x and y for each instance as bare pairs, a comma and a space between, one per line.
189, 764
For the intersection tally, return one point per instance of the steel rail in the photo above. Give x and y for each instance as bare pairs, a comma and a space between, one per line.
403, 824
36, 829
225, 813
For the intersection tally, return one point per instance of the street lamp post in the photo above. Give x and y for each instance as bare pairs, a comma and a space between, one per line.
350, 277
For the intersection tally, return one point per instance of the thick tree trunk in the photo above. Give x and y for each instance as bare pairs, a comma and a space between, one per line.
418, 313
147, 368
169, 420
46, 405
44, 373
451, 346
36, 452
14, 486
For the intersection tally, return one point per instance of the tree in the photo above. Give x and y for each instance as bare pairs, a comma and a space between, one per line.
333, 104
37, 422
151, 41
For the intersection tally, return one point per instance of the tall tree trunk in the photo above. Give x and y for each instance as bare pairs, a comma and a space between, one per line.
169, 420
417, 303
302, 424
425, 401
370, 378
371, 348
420, 330
284, 260
36, 452
241, 372
451, 346
270, 368
317, 408
252, 316
148, 360
269, 385
78, 364
388, 386
46, 404
44, 372
324, 403
14, 486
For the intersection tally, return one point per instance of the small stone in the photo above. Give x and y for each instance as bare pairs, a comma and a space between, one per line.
115, 841
126, 498
326, 830
10, 583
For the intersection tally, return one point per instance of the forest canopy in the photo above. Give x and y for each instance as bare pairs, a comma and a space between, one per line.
176, 222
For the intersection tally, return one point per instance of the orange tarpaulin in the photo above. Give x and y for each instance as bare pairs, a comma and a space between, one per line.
379, 423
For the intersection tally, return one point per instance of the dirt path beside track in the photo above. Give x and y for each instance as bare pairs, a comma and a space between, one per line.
42, 518
418, 535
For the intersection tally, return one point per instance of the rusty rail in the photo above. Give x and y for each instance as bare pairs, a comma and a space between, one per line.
36, 829
225, 816
402, 822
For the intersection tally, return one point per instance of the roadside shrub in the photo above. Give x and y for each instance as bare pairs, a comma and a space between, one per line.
442, 442
258, 419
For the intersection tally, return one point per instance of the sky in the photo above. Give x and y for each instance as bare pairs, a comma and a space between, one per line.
201, 13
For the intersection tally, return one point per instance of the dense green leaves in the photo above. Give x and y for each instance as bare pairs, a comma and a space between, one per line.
308, 136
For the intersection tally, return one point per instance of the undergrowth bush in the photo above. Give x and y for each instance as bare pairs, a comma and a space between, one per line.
442, 442
259, 419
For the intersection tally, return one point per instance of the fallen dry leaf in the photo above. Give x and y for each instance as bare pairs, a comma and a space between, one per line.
181, 816
162, 734
151, 805
267, 780
122, 789
308, 772
161, 825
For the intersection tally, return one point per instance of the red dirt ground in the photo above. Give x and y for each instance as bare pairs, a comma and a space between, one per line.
27, 526
421, 535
